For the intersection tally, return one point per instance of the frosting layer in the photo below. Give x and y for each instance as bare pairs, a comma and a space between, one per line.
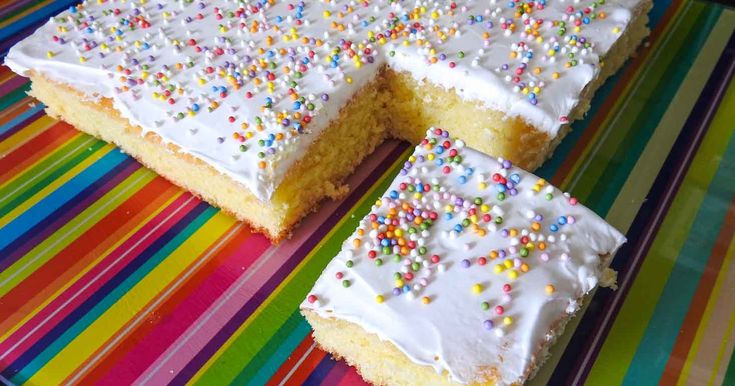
247, 85
466, 263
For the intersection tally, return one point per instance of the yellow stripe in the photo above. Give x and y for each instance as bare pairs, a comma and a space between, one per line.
26, 133
702, 329
731, 324
17, 211
24, 14
65, 235
615, 110
293, 273
721, 351
89, 267
93, 337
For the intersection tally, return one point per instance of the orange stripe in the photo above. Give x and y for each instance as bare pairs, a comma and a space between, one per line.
5, 73
291, 361
607, 105
307, 367
36, 148
16, 109
688, 330
49, 278
166, 308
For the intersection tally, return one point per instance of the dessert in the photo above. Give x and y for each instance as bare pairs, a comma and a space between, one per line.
263, 107
465, 271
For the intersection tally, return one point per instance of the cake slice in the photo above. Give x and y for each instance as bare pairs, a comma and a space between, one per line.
464, 272
262, 108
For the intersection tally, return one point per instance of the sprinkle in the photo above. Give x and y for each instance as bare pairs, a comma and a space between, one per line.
477, 288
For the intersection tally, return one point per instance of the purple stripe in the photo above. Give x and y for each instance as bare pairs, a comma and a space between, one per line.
5, 11
46, 342
71, 209
21, 125
574, 366
11, 41
14, 83
320, 372
262, 294
335, 374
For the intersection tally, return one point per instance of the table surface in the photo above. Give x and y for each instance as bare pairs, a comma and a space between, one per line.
111, 274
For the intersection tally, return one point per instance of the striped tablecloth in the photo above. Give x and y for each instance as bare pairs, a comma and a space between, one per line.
110, 274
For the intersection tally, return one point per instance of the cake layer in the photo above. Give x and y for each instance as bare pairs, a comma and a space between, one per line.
247, 87
415, 104
468, 266
317, 175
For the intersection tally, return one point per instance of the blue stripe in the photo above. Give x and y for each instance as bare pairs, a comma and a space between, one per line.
43, 13
298, 332
552, 165
59, 197
22, 117
320, 372
663, 328
83, 316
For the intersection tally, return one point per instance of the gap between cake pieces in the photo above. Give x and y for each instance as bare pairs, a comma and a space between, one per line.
263, 108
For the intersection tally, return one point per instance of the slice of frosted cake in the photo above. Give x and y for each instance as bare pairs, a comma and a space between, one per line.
464, 272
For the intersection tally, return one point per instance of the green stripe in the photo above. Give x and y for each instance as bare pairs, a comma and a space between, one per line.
275, 352
21, 10
93, 314
617, 169
60, 239
46, 172
14, 96
625, 127
730, 374
691, 262
623, 210
250, 342
631, 322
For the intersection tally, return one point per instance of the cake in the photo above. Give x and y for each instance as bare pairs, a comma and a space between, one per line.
465, 271
263, 107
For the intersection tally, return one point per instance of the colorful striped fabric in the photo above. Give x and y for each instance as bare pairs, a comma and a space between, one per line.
109, 274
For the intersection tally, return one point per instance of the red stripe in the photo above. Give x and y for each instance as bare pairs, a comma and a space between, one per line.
42, 144
689, 327
292, 360
15, 110
352, 378
171, 319
307, 366
59, 270
55, 311
594, 126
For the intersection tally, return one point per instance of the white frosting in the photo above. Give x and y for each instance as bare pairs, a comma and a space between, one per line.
449, 333
162, 34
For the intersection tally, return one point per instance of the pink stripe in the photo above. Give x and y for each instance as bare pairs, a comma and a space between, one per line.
173, 325
335, 374
175, 358
352, 378
12, 84
87, 285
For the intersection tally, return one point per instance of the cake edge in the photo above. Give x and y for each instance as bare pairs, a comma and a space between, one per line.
159, 156
387, 349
